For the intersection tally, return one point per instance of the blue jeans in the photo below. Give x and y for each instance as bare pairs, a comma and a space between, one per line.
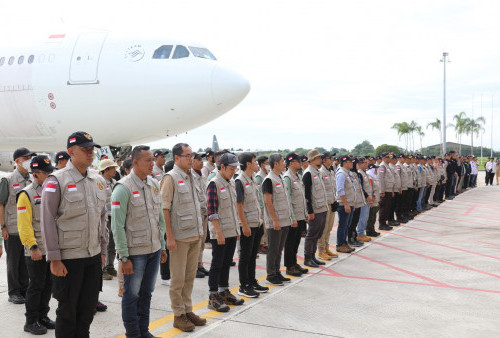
345, 220
363, 219
420, 198
138, 288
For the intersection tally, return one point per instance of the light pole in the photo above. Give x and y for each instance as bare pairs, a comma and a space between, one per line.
444, 60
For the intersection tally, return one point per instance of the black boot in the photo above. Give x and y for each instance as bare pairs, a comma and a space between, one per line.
317, 261
35, 328
309, 262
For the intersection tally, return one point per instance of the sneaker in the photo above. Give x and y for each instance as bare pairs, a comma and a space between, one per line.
106, 275
274, 280
35, 328
200, 274
196, 320
230, 299
283, 278
165, 282
373, 234
364, 239
216, 303
17, 299
259, 288
100, 307
293, 271
248, 291
343, 249
183, 323
205, 271
112, 271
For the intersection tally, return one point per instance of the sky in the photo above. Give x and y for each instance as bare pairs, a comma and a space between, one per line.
322, 72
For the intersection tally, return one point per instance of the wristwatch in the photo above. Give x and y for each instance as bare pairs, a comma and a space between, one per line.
33, 247
124, 259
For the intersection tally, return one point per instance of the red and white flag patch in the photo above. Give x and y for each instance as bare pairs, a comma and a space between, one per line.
315, 176
294, 181
325, 177
158, 174
108, 187
222, 189
382, 170
181, 183
34, 164
20, 210
136, 194
115, 205
72, 187
37, 198
278, 185
51, 187
16, 186
247, 185
72, 140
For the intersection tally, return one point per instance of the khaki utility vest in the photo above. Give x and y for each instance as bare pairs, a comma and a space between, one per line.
34, 192
109, 190
228, 215
327, 178
200, 189
349, 187
16, 182
403, 175
397, 177
318, 191
366, 182
251, 200
360, 197
79, 214
376, 189
297, 196
386, 178
261, 175
185, 212
421, 176
280, 202
158, 173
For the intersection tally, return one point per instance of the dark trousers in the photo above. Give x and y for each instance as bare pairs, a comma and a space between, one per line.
489, 178
165, 267
17, 273
345, 220
293, 242
351, 233
77, 295
405, 202
314, 233
39, 288
372, 217
275, 243
412, 202
248, 255
385, 208
222, 256
448, 190
110, 259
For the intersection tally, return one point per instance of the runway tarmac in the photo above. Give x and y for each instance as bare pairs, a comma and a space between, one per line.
436, 276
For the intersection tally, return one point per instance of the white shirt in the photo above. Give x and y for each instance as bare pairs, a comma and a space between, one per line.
490, 166
473, 166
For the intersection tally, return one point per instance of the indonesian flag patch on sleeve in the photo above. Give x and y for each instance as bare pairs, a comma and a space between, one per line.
51, 187
20, 210
72, 187
136, 194
115, 205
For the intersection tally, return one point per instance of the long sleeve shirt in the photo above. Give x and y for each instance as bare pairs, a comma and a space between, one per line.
119, 217
307, 180
288, 185
212, 201
25, 220
340, 181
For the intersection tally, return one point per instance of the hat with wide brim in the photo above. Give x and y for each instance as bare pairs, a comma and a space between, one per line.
107, 163
312, 154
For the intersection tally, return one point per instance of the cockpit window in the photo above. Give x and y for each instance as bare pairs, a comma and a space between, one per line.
202, 53
180, 52
163, 52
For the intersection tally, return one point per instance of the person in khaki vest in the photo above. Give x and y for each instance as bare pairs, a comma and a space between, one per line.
328, 178
386, 180
73, 222
224, 225
278, 218
138, 228
346, 196
247, 199
372, 178
61, 159
184, 225
160, 159
264, 168
17, 275
28, 223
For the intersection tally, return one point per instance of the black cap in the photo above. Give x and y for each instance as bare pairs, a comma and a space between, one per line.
209, 153
229, 159
292, 156
160, 152
62, 155
303, 158
41, 162
371, 166
345, 158
82, 139
378, 157
23, 152
327, 154
199, 155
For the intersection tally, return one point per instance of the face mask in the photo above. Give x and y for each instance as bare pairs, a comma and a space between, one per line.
26, 165
268, 167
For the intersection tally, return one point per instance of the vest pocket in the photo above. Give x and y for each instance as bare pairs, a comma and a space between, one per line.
186, 218
71, 234
75, 205
137, 238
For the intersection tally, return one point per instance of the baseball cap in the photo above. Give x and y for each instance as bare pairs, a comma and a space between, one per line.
345, 158
292, 156
22, 152
82, 139
209, 153
199, 155
160, 152
371, 166
229, 159
326, 155
62, 155
303, 158
41, 162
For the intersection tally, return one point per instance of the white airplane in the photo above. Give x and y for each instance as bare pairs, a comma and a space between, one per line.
6, 161
122, 90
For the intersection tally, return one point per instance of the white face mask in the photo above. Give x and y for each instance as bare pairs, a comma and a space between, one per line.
268, 167
26, 165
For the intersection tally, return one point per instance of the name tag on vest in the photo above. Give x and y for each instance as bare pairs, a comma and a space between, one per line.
294, 181
107, 187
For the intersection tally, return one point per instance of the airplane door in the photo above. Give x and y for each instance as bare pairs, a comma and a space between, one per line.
85, 58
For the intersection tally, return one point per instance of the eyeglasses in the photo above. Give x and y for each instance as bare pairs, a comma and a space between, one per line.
187, 156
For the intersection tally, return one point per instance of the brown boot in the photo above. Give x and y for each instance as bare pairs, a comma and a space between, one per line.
331, 254
364, 239
324, 256
183, 323
343, 249
196, 320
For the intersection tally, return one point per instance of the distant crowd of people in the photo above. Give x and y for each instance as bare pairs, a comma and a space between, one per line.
66, 226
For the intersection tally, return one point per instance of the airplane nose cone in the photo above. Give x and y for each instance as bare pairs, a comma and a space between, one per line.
228, 87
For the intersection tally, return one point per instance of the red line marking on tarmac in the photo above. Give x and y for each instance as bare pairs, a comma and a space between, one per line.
472, 229
439, 260
488, 243
445, 246
470, 210
485, 205
436, 232
456, 219
401, 270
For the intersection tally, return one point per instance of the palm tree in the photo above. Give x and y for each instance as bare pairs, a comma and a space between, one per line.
437, 125
474, 126
402, 129
420, 134
460, 128
413, 128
